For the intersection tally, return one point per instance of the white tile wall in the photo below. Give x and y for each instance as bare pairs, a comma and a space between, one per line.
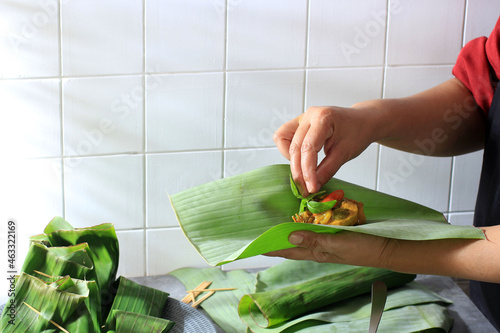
185, 35
103, 115
171, 173
257, 103
481, 18
242, 160
29, 46
30, 118
343, 87
102, 37
418, 178
405, 81
461, 218
266, 34
413, 27
169, 249
463, 194
132, 253
105, 189
177, 121
340, 34
106, 107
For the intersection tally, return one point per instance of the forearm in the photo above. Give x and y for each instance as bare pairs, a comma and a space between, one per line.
467, 259
441, 121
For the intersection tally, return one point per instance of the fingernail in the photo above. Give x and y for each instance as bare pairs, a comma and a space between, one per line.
309, 187
296, 239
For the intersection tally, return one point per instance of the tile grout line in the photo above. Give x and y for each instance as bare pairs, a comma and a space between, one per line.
224, 90
61, 110
464, 21
109, 75
144, 144
384, 80
306, 56
450, 186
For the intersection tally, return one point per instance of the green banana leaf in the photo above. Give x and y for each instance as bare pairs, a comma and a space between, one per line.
131, 322
58, 261
355, 312
431, 317
410, 308
222, 306
250, 214
55, 302
68, 277
270, 308
132, 297
103, 249
88, 316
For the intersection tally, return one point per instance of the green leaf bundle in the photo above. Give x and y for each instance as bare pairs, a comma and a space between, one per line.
68, 283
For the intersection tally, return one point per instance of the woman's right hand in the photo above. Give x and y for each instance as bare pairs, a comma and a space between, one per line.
343, 133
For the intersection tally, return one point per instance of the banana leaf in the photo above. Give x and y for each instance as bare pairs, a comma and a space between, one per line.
103, 250
431, 317
222, 306
131, 322
88, 316
250, 214
270, 308
37, 305
409, 308
67, 283
58, 261
132, 297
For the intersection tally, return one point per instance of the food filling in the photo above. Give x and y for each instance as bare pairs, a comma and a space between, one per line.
344, 212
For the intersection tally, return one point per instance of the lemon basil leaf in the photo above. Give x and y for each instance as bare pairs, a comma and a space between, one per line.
295, 190
318, 207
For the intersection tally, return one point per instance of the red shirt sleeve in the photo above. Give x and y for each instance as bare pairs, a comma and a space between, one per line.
478, 67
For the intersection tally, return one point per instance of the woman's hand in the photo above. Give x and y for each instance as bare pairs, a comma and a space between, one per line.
343, 133
345, 247
472, 259
445, 118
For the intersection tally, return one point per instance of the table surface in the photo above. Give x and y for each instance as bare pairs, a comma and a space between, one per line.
467, 317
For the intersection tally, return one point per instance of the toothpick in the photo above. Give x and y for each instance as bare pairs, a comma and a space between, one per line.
209, 289
195, 304
191, 296
43, 274
52, 322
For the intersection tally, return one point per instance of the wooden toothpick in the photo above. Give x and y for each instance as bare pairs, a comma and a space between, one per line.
51, 321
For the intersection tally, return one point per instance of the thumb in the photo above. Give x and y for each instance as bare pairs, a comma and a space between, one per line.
317, 247
309, 239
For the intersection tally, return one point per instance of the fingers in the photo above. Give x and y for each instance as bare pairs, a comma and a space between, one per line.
344, 247
310, 246
319, 132
284, 135
301, 139
314, 129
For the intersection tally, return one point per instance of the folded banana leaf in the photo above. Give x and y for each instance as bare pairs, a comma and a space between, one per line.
250, 214
67, 284
409, 308
38, 305
132, 297
102, 243
135, 322
273, 307
59, 261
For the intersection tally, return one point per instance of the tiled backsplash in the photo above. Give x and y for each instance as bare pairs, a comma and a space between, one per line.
106, 107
